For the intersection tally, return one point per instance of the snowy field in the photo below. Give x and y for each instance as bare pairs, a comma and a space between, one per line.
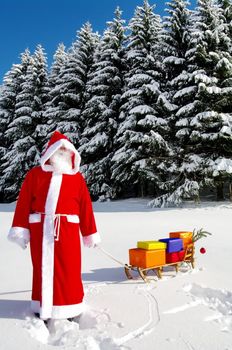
190, 311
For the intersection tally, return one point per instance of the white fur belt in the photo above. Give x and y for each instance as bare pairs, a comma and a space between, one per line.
36, 217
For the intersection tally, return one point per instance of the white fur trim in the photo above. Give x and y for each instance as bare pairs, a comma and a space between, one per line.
19, 235
60, 312
35, 217
91, 240
48, 246
53, 148
73, 218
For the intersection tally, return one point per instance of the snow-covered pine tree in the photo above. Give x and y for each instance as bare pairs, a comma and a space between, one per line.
223, 61
10, 89
59, 60
140, 138
205, 120
175, 39
23, 152
103, 95
68, 85
174, 45
226, 13
41, 89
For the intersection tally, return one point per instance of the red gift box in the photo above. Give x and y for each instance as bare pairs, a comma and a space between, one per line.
175, 257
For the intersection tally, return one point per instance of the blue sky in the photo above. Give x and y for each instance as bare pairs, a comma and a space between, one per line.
26, 23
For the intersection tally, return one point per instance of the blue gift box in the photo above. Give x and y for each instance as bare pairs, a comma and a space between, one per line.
173, 244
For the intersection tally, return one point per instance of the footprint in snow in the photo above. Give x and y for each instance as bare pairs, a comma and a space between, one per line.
219, 300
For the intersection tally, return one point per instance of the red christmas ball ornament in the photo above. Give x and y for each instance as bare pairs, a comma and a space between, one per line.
202, 250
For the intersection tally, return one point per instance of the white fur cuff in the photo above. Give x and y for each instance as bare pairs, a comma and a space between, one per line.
91, 241
19, 235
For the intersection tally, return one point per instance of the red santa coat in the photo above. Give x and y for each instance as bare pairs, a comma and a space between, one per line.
50, 210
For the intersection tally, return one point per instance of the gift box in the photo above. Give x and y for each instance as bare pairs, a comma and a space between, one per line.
175, 257
147, 258
186, 236
173, 244
151, 245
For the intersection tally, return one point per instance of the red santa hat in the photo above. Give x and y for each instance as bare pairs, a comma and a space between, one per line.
56, 141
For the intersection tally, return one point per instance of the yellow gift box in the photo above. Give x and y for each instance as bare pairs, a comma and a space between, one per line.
151, 245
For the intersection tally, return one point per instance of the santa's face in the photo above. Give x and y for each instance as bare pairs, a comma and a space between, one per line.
61, 160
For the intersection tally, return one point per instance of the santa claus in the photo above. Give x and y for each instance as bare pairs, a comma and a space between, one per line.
53, 204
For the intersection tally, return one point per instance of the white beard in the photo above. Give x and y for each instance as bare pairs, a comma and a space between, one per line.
61, 161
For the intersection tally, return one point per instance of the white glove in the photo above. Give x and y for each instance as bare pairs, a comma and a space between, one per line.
91, 245
20, 236
92, 241
22, 242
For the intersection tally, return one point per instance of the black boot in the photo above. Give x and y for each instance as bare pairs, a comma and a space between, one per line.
74, 319
37, 315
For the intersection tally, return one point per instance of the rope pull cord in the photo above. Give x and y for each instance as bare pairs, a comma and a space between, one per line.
56, 221
56, 230
111, 256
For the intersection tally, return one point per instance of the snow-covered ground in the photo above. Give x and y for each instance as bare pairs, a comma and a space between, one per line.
190, 310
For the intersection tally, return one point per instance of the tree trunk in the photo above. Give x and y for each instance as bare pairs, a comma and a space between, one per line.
142, 188
230, 191
220, 191
197, 199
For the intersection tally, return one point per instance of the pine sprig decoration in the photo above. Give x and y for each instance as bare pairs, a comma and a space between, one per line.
198, 234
